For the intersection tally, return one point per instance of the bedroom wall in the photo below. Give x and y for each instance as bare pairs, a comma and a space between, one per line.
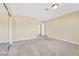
24, 28
3, 27
64, 28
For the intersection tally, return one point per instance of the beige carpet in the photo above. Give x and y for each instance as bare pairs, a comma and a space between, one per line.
43, 47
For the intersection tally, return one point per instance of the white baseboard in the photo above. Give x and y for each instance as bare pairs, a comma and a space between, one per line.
70, 41
29, 38
65, 40
4, 41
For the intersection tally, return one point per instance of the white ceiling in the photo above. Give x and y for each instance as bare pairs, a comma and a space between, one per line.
2, 8
38, 10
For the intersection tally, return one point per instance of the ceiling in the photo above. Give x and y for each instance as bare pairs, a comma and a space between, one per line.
38, 10
2, 8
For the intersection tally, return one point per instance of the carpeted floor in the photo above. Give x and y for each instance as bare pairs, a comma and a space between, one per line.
4, 49
40, 47
43, 47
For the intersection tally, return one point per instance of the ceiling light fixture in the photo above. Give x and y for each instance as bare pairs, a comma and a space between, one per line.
53, 6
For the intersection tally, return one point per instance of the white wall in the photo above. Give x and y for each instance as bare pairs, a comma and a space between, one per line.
64, 28
3, 28
24, 28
